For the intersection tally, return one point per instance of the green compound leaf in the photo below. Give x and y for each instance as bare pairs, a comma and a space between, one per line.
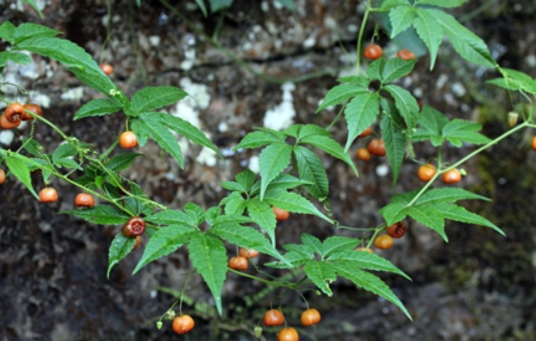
262, 215
396, 68
360, 113
122, 161
163, 136
368, 261
30, 30
338, 244
321, 274
7, 31
98, 107
163, 242
257, 139
331, 147
151, 98
100, 214
272, 161
293, 202
405, 103
121, 246
339, 94
209, 258
311, 169
401, 18
430, 32
395, 143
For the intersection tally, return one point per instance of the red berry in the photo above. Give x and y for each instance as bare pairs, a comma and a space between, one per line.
384, 242
6, 124
128, 140
310, 316
377, 147
273, 317
405, 54
14, 112
288, 334
238, 263
48, 194
280, 214
183, 324
451, 177
397, 230
373, 52
84, 200
34, 108
366, 132
133, 227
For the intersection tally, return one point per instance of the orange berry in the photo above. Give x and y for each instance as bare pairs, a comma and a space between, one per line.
128, 140
248, 253
405, 54
273, 317
310, 316
137, 244
377, 147
280, 214
107, 69
384, 242
48, 194
84, 200
534, 143
366, 132
34, 108
451, 177
364, 249
183, 324
6, 124
288, 334
426, 172
363, 154
2, 176
373, 52
238, 263
14, 112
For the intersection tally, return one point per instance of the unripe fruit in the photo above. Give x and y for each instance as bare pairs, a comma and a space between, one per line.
273, 317
5, 124
451, 177
128, 140
397, 230
107, 69
288, 334
84, 200
280, 214
405, 54
363, 154
377, 147
364, 249
512, 118
14, 112
248, 253
426, 172
366, 132
183, 324
310, 316
33, 108
373, 52
48, 194
238, 263
133, 227
2, 176
384, 242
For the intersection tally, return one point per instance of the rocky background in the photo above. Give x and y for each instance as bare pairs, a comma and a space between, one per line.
480, 286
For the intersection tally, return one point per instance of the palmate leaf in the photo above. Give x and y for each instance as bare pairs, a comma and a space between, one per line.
282, 181
311, 130
7, 31
20, 170
293, 202
360, 81
305, 250
262, 215
232, 186
515, 80
151, 98
396, 68
431, 124
430, 217
337, 244
163, 136
121, 246
171, 217
63, 150
375, 69
100, 214
163, 242
209, 258
234, 203
461, 130
30, 30
331, 147
369, 282
314, 243
20, 58
341, 93
189, 131
257, 139
73, 56
393, 212
195, 213
272, 161
470, 47
141, 130
368, 261
442, 3
311, 169
405, 103
395, 143
97, 107
359, 114
458, 213
247, 237
321, 274
446, 195
246, 178
401, 18
122, 161
430, 32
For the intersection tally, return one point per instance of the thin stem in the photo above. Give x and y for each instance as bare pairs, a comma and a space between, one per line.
360, 37
182, 292
337, 117
262, 280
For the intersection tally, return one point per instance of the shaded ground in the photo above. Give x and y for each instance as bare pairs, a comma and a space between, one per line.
478, 287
